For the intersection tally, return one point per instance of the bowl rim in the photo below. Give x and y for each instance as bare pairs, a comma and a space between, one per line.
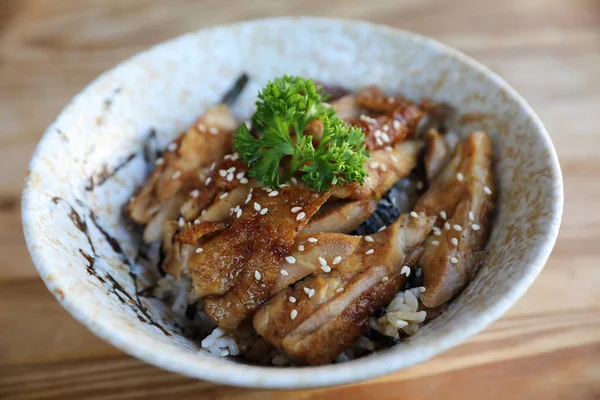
174, 359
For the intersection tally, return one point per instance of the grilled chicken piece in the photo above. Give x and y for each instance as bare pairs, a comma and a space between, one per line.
331, 310
307, 253
437, 153
463, 192
224, 176
395, 118
207, 141
341, 216
385, 168
242, 262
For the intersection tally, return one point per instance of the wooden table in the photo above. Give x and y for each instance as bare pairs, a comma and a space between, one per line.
547, 347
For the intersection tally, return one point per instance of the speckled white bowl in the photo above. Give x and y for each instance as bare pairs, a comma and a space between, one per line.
86, 255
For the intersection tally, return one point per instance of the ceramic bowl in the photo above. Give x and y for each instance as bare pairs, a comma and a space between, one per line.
92, 158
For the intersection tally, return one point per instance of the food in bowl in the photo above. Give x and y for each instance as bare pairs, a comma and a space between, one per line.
330, 225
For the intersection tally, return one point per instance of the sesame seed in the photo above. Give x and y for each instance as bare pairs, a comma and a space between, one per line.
396, 124
381, 229
264, 211
394, 158
283, 272
383, 168
257, 206
457, 227
405, 270
159, 161
443, 215
454, 241
311, 293
195, 193
213, 130
257, 275
231, 169
419, 185
235, 156
222, 172
487, 190
368, 238
300, 216
226, 156
273, 193
172, 146
196, 221
385, 128
203, 212
208, 180
377, 133
201, 127
447, 225
435, 242
374, 165
176, 175
418, 272
294, 314
294, 180
453, 260
291, 259
199, 250
437, 233
238, 213
460, 177
471, 216
223, 195
476, 227
230, 177
414, 214
379, 142
326, 268
212, 166
292, 299
296, 209
338, 290
181, 221
385, 137
385, 279
243, 181
370, 251
224, 353
301, 247
388, 148
322, 261
312, 240
336, 260
240, 175
422, 289
306, 290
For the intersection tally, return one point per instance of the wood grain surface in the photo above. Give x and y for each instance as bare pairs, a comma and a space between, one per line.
546, 347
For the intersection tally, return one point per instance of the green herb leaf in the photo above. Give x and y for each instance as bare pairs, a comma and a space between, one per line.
284, 109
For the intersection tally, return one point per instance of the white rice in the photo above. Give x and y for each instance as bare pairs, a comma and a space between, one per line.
401, 315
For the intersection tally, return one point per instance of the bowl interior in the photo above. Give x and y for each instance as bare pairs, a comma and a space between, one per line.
96, 153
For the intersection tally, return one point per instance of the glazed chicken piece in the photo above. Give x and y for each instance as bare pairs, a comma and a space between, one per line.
320, 316
462, 196
393, 120
178, 171
240, 265
437, 153
341, 216
385, 168
310, 254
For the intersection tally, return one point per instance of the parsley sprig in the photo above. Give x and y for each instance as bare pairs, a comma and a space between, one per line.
284, 109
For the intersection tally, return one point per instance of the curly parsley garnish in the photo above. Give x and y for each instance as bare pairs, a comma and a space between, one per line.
284, 109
